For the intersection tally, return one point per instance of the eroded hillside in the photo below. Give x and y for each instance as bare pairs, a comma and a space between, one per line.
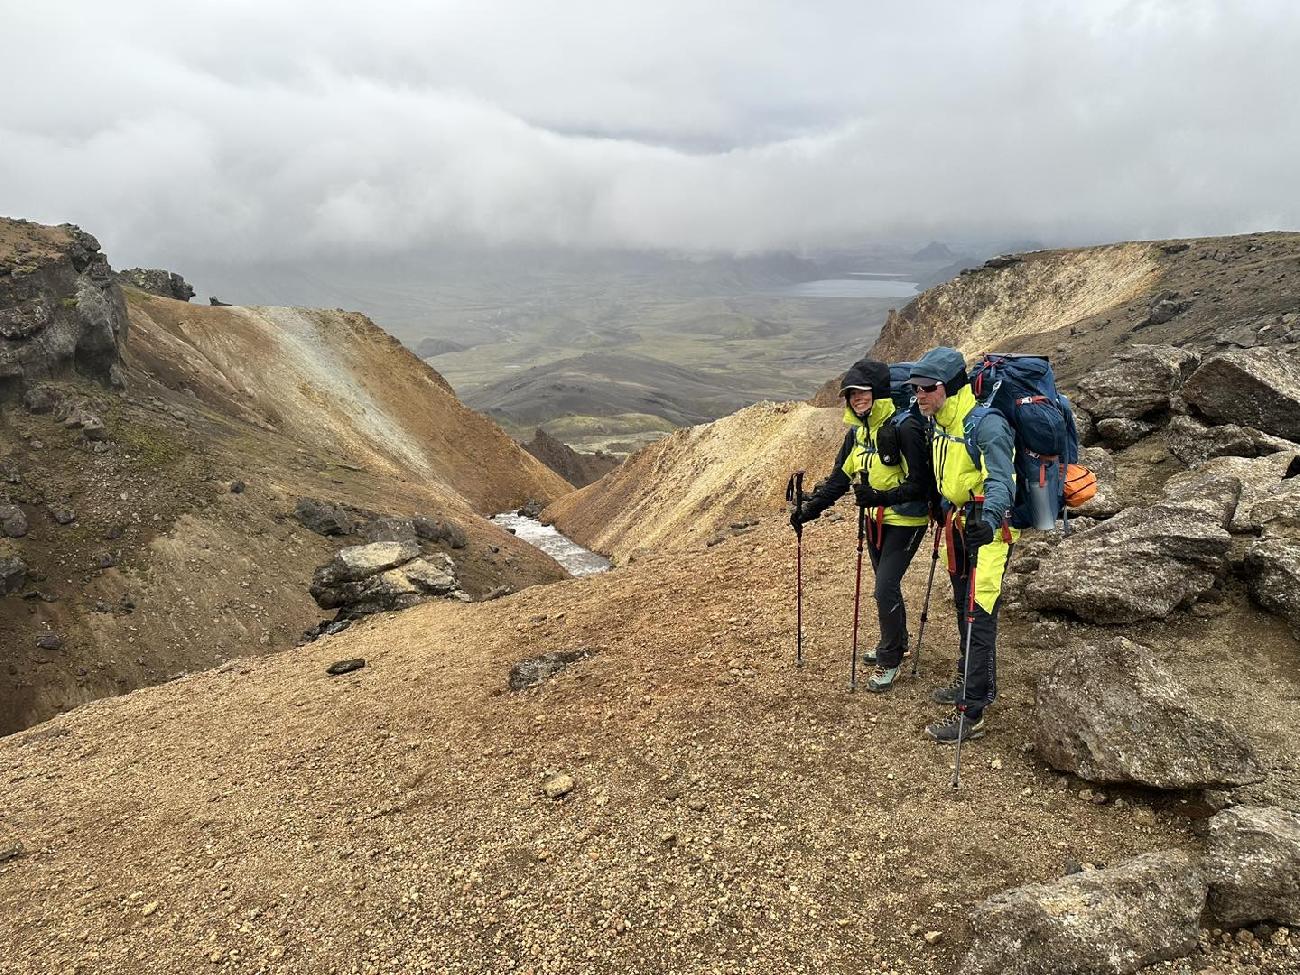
154, 522
1082, 305
694, 484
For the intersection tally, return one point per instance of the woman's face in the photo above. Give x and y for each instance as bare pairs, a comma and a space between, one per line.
860, 400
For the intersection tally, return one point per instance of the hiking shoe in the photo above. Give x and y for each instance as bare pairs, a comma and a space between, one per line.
945, 732
948, 694
871, 656
882, 679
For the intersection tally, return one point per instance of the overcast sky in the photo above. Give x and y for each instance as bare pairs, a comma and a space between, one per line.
242, 129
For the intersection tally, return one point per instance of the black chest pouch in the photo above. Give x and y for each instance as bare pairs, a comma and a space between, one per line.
887, 444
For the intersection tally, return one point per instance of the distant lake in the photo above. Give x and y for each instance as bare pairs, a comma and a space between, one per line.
861, 287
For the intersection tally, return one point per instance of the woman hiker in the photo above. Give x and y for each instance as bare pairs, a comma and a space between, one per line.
886, 460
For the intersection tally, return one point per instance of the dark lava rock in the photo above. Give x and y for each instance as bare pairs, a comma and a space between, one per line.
13, 574
1258, 388
344, 667
40, 399
50, 641
324, 518
443, 531
531, 508
13, 522
63, 516
532, 671
237, 487
390, 530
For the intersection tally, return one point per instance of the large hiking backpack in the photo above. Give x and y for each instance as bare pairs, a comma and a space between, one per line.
899, 391
1022, 389
904, 397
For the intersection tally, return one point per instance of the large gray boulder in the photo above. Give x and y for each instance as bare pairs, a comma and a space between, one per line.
1268, 497
1253, 865
1107, 501
1139, 382
1257, 388
60, 309
1109, 713
381, 577
1100, 921
1193, 442
1273, 569
1144, 562
361, 561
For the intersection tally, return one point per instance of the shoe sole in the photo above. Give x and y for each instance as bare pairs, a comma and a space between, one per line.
970, 736
881, 689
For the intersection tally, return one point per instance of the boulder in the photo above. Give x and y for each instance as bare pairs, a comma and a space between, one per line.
1097, 921
1273, 569
1108, 712
13, 522
1106, 502
60, 309
361, 561
1193, 442
324, 518
390, 530
1257, 388
1252, 862
1084, 425
40, 399
444, 532
1268, 496
1119, 432
1144, 562
165, 284
1138, 382
425, 576
13, 574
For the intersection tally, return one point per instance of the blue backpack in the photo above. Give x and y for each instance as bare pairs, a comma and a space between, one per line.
1022, 389
899, 391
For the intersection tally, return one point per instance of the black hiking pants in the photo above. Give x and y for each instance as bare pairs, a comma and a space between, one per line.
981, 671
891, 554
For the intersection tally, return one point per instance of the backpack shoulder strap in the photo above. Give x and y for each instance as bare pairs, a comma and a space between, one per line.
970, 427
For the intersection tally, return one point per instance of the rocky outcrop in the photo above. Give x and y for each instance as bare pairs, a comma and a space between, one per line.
1098, 921
1109, 713
1107, 501
1138, 383
1192, 442
1273, 569
331, 520
578, 469
382, 576
1257, 388
1144, 562
60, 307
13, 574
165, 284
1253, 866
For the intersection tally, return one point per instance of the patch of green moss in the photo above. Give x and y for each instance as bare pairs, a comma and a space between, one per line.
69, 303
148, 447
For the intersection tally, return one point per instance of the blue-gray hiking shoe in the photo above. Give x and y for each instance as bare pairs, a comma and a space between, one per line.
946, 732
882, 679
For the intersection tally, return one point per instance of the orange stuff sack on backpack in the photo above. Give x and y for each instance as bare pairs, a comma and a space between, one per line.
1080, 485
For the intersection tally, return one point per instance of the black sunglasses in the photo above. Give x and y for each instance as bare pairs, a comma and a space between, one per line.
928, 388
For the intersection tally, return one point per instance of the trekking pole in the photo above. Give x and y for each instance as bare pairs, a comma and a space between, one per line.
794, 495
857, 594
925, 607
965, 659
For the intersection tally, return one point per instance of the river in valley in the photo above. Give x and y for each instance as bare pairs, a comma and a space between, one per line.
576, 559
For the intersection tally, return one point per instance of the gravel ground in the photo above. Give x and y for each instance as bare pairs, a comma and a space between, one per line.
726, 813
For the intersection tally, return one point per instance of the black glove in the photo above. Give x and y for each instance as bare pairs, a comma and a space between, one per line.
868, 497
806, 512
976, 533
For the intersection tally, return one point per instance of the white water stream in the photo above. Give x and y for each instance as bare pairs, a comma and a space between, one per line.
576, 559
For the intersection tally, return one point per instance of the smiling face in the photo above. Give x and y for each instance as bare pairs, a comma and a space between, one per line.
930, 395
860, 401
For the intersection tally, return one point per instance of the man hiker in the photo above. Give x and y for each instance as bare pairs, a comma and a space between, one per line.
975, 532
884, 458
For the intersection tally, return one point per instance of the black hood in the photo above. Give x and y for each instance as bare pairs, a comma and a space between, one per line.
867, 374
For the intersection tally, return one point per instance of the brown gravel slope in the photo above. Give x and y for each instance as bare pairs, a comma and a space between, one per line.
730, 814
694, 483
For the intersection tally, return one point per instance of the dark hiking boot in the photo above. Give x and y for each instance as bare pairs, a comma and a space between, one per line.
882, 679
946, 732
948, 694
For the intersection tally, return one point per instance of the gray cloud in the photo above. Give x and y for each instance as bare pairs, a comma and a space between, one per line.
242, 130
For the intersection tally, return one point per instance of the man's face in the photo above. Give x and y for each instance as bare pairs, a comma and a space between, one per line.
930, 395
860, 401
